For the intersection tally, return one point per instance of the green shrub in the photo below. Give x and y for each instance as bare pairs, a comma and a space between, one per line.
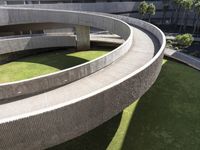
176, 48
170, 42
184, 40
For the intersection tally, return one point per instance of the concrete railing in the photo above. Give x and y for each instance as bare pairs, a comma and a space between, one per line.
14, 16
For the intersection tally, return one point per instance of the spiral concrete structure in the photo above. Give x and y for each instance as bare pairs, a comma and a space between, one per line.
47, 110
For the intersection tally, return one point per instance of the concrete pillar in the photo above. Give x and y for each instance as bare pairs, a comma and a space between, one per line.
82, 37
5, 3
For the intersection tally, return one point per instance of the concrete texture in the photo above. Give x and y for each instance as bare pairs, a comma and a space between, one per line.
103, 39
83, 37
64, 113
17, 43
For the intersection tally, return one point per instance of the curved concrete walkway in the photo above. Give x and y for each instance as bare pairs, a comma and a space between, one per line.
81, 88
174, 54
91, 83
64, 113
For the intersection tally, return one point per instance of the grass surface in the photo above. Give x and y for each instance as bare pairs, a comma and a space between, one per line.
45, 63
167, 117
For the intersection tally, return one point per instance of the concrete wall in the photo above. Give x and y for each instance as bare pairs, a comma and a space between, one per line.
9, 45
68, 120
113, 7
12, 16
191, 61
125, 8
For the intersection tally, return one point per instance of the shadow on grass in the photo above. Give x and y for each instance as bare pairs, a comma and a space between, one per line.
46, 63
63, 59
97, 139
167, 117
56, 59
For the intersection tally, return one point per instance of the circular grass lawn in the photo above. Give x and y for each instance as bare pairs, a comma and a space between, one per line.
45, 63
167, 117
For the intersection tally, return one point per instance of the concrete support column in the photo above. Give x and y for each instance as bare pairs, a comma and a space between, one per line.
82, 37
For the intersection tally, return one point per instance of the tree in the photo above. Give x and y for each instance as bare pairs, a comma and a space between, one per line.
186, 5
143, 8
177, 4
151, 10
197, 12
165, 9
194, 10
184, 40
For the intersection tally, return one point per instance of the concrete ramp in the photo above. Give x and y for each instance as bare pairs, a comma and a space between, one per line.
43, 119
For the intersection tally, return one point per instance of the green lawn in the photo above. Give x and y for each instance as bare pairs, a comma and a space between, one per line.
45, 63
167, 117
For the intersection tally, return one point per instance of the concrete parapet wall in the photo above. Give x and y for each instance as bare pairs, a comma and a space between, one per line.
191, 61
9, 45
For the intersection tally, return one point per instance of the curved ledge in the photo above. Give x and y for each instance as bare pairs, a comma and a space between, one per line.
51, 81
184, 58
64, 113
